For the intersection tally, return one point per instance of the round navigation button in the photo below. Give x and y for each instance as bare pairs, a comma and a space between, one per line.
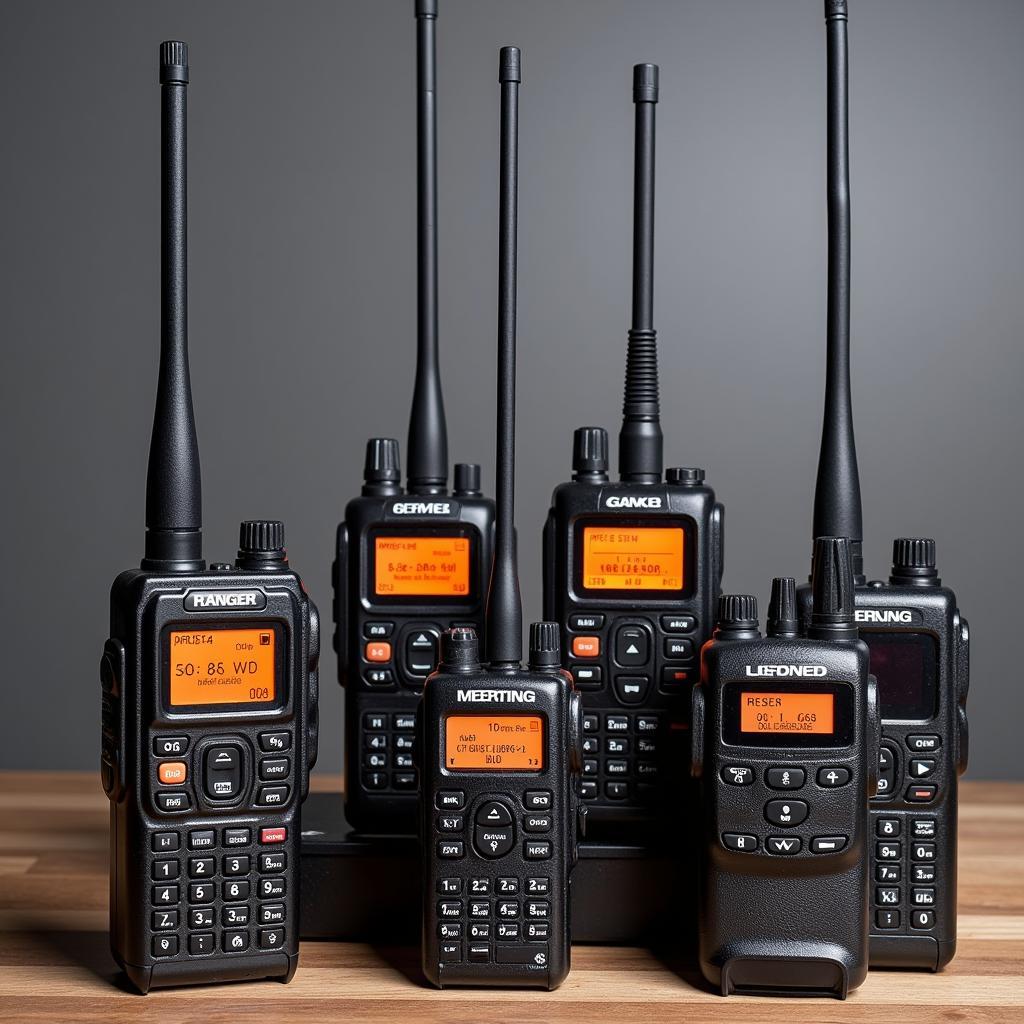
493, 814
493, 842
786, 812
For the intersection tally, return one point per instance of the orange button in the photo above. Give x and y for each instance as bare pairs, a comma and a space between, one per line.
378, 650
172, 773
586, 646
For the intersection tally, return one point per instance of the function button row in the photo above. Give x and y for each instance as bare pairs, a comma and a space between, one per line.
234, 941
783, 845
205, 839
829, 777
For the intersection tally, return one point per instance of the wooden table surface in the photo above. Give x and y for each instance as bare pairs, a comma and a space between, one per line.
55, 965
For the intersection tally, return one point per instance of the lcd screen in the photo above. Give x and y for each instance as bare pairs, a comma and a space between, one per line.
422, 566
777, 715
494, 743
906, 667
633, 558
222, 666
787, 712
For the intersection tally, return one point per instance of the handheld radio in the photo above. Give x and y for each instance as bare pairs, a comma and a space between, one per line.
785, 739
632, 569
209, 683
500, 744
918, 640
411, 563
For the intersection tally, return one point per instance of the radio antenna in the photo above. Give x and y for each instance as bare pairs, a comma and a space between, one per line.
504, 604
640, 440
428, 432
174, 517
837, 505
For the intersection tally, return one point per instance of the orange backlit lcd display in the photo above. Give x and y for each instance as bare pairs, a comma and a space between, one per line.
787, 712
433, 566
495, 743
222, 666
633, 557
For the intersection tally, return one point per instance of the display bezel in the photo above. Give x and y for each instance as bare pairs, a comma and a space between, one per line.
842, 716
222, 710
636, 596
443, 742
413, 600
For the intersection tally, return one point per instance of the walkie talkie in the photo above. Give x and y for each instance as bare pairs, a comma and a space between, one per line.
209, 683
785, 739
632, 569
500, 744
918, 640
410, 563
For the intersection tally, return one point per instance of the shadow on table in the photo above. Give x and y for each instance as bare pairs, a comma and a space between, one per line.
87, 949
403, 959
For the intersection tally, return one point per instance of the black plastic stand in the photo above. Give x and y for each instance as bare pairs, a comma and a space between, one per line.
367, 888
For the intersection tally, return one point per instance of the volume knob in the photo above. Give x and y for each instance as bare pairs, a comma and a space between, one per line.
382, 472
261, 544
590, 454
913, 561
545, 646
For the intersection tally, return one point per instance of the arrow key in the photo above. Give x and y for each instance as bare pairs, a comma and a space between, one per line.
493, 814
632, 645
921, 768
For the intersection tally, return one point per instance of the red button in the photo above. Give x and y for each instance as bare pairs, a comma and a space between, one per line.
377, 651
273, 835
586, 646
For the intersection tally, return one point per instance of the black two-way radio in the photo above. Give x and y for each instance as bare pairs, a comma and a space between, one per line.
410, 563
785, 739
209, 685
500, 744
632, 569
918, 640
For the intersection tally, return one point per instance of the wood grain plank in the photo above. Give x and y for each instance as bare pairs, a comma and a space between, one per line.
55, 963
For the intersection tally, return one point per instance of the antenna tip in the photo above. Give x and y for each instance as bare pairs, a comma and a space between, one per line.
645, 83
508, 64
835, 9
426, 8
173, 61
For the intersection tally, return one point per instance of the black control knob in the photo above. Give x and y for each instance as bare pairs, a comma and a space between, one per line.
913, 561
467, 480
545, 646
261, 545
737, 617
684, 476
590, 454
460, 650
783, 619
382, 468
832, 589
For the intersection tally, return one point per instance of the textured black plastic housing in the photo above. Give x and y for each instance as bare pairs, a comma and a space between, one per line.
575, 505
143, 606
548, 695
774, 923
885, 609
393, 811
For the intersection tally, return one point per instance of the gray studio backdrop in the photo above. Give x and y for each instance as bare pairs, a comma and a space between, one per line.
302, 211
